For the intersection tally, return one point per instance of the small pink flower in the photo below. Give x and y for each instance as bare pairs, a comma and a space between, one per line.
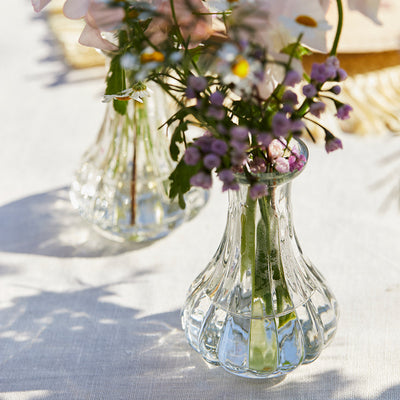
282, 165
275, 149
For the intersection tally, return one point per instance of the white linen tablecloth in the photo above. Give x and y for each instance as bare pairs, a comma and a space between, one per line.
85, 318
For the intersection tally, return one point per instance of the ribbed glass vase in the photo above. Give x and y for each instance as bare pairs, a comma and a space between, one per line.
121, 185
260, 308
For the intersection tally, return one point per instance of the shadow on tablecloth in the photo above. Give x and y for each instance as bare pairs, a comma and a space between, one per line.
80, 345
46, 224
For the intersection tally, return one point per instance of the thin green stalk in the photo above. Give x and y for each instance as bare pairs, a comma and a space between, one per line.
248, 235
338, 29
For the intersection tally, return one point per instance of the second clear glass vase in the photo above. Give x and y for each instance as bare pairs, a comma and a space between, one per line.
122, 184
260, 308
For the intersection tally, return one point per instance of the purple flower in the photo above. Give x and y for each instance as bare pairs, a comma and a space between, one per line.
217, 98
287, 108
309, 91
297, 162
292, 78
192, 156
226, 175
197, 83
216, 112
341, 74
332, 143
331, 71
190, 93
201, 179
221, 129
289, 97
238, 157
317, 108
230, 186
219, 147
211, 161
239, 133
336, 89
258, 190
343, 112
204, 143
282, 165
264, 139
332, 61
297, 125
239, 146
257, 165
280, 124
228, 178
321, 72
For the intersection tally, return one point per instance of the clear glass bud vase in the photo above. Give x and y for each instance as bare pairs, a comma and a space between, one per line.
121, 185
260, 308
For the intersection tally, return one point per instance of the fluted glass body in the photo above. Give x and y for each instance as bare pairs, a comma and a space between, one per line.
121, 185
260, 308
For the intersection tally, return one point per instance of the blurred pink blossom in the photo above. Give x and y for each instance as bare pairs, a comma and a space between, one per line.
367, 7
73, 9
100, 18
198, 29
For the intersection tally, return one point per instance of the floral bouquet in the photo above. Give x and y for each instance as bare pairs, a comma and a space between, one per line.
233, 68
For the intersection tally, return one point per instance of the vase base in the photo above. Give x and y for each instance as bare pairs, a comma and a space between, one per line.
156, 217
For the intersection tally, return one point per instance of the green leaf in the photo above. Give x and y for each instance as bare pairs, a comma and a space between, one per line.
296, 50
177, 137
120, 106
180, 180
116, 83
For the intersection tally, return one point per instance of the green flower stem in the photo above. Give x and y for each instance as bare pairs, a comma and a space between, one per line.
338, 29
260, 252
248, 235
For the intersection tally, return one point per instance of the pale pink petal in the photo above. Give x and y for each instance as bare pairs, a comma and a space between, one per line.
91, 37
367, 7
325, 4
101, 16
75, 9
38, 5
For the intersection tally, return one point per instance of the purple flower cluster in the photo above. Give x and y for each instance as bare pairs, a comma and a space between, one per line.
229, 149
212, 153
212, 105
329, 71
225, 154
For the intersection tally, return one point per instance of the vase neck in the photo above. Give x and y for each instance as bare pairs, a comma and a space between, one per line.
276, 202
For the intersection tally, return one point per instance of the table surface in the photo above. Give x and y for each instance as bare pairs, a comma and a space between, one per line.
85, 318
